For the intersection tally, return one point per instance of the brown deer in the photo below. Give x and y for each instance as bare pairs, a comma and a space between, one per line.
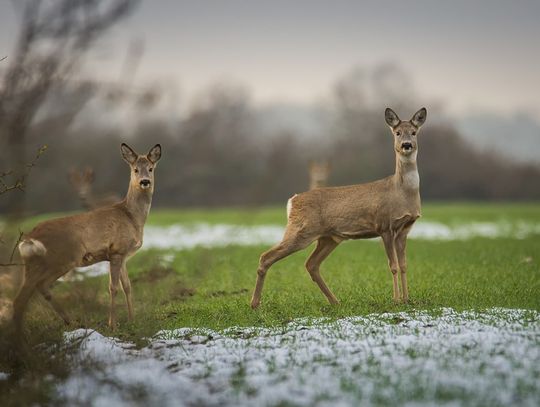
387, 208
113, 233
318, 174
83, 182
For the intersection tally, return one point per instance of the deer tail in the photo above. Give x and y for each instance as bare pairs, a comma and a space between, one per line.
31, 247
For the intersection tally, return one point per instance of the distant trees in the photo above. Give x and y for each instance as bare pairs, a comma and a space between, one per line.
52, 40
218, 153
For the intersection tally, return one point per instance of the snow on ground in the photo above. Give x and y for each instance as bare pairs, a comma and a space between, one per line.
206, 235
490, 358
185, 237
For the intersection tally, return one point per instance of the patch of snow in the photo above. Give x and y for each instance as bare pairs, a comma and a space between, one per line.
97, 269
474, 358
206, 235
186, 237
4, 376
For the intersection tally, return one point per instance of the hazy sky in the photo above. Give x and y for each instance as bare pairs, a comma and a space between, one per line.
481, 55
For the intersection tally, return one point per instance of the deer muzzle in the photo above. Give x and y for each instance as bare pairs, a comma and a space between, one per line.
145, 183
407, 146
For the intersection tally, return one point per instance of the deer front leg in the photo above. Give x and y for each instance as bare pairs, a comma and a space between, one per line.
389, 246
325, 246
401, 243
114, 277
126, 286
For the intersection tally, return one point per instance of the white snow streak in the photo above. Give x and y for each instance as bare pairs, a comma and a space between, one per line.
205, 235
186, 237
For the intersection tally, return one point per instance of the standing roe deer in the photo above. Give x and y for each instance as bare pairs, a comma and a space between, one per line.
112, 233
318, 174
387, 208
82, 182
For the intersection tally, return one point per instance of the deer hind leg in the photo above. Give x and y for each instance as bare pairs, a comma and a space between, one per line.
325, 246
126, 287
44, 290
389, 246
44, 287
20, 303
114, 278
401, 244
292, 242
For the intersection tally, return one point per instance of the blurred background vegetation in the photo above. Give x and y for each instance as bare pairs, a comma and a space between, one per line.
221, 147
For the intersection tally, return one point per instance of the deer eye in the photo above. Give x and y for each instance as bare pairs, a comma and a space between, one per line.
150, 169
413, 133
136, 170
398, 133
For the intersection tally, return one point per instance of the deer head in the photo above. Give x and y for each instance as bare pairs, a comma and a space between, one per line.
142, 166
405, 132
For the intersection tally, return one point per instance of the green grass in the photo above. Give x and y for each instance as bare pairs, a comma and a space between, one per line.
448, 213
444, 212
212, 287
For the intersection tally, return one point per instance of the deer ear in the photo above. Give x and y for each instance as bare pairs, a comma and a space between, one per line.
155, 153
419, 117
391, 117
128, 154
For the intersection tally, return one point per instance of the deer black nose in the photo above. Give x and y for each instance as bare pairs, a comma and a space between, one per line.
145, 182
406, 146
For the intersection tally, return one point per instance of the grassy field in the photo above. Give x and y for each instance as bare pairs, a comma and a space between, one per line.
211, 287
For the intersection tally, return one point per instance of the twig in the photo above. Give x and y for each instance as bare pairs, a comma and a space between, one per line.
15, 245
20, 183
11, 263
1, 59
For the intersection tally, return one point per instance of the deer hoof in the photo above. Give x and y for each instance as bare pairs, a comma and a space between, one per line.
255, 304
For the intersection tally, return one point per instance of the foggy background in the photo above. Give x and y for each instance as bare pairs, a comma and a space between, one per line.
242, 95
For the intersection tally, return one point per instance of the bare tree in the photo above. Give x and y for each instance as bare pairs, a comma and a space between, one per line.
53, 38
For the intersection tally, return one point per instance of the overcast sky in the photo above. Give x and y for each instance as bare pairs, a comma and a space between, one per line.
480, 55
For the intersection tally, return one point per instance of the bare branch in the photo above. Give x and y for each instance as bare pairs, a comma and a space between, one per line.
15, 246
20, 182
11, 263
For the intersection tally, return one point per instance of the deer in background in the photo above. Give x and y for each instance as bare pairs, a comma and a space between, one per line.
112, 233
82, 182
387, 208
319, 172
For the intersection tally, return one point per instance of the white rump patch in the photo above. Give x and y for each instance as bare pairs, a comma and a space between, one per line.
32, 247
289, 206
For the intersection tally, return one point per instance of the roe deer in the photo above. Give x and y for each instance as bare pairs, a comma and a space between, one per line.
82, 182
387, 208
112, 233
318, 174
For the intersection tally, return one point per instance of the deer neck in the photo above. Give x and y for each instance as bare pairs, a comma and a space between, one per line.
138, 203
406, 175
